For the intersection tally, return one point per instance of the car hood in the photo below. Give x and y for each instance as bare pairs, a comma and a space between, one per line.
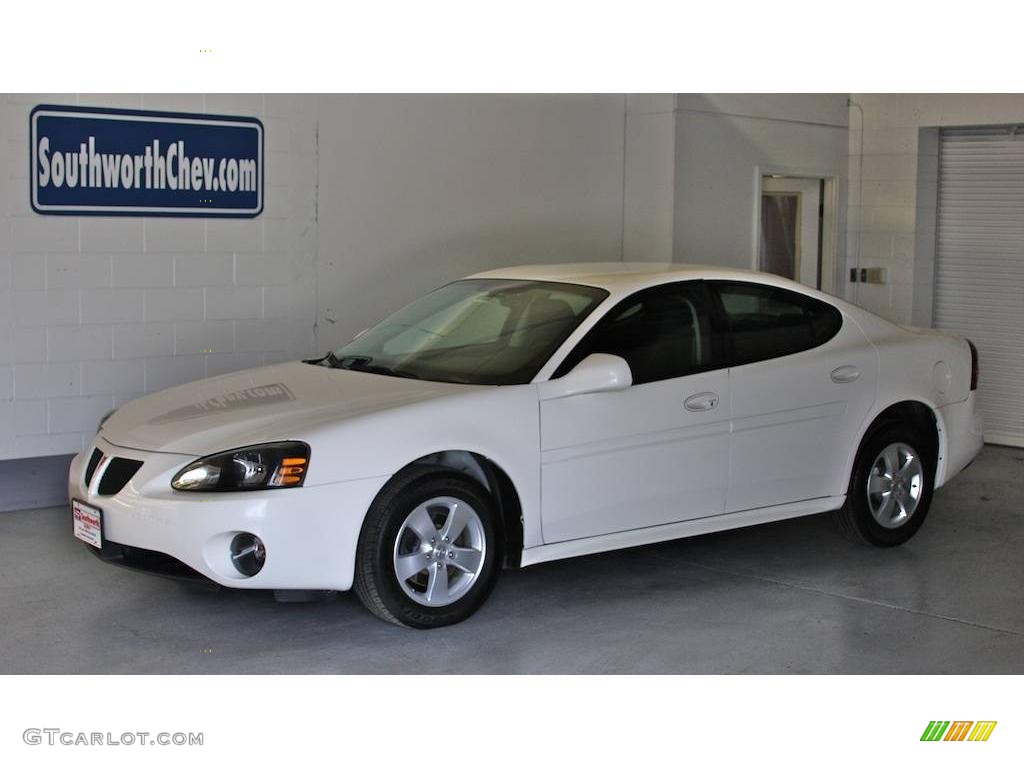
277, 402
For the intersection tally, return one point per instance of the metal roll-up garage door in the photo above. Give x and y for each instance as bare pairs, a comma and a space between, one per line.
979, 266
979, 270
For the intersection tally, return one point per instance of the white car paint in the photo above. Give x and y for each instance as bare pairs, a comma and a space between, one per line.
592, 471
798, 410
627, 450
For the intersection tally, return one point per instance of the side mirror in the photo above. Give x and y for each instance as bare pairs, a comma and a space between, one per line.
594, 373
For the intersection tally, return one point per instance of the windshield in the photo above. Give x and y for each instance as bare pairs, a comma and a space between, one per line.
473, 332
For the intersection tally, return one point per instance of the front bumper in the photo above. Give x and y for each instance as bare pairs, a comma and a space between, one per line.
156, 563
310, 533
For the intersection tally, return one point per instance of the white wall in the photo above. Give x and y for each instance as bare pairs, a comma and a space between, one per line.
720, 142
650, 177
418, 190
895, 220
370, 200
98, 310
373, 199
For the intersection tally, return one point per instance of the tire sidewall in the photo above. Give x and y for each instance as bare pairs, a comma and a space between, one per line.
857, 496
391, 516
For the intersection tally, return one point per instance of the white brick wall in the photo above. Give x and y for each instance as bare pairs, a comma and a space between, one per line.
723, 140
897, 213
650, 177
362, 193
95, 311
119, 377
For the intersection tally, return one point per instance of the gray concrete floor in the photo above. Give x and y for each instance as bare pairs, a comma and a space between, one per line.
787, 597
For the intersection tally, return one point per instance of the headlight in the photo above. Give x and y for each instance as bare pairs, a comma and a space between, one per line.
254, 468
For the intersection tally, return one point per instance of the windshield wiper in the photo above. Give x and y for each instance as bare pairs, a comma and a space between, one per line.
364, 363
348, 361
386, 371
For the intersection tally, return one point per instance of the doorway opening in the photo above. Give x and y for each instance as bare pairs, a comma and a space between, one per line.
792, 229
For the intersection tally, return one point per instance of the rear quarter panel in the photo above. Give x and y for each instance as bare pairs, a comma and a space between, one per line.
916, 364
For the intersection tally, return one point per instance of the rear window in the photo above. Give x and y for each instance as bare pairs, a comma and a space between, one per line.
765, 322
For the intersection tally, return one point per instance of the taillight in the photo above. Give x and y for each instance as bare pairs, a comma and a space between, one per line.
974, 365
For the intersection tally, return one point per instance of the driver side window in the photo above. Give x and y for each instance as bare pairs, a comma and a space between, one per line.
662, 332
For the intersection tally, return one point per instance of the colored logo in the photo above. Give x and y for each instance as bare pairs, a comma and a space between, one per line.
958, 730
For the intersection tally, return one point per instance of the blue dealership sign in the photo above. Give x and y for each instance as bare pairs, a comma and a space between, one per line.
119, 162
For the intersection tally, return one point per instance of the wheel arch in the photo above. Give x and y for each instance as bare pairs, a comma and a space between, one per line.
496, 482
922, 416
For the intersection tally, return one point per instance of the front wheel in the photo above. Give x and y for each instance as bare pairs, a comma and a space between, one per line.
428, 553
890, 490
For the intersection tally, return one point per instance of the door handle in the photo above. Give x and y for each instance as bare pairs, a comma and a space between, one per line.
703, 401
844, 374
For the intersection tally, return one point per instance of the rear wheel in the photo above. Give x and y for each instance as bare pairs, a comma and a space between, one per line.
891, 487
429, 552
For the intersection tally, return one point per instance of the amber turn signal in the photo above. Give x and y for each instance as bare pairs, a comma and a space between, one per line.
290, 472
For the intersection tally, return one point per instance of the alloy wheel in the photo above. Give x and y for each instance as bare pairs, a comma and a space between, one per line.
895, 485
439, 551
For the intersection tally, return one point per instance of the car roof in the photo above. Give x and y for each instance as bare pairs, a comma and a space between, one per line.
626, 276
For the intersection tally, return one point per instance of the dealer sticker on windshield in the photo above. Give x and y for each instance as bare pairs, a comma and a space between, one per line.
87, 523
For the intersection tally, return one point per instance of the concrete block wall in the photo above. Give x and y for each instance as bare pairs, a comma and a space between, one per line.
648, 218
419, 190
722, 142
95, 311
893, 159
370, 201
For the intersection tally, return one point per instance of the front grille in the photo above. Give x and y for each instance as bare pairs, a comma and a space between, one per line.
117, 474
90, 469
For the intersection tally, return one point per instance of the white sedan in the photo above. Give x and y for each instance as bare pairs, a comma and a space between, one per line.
529, 414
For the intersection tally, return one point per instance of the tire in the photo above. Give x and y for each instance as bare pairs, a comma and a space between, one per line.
396, 535
873, 516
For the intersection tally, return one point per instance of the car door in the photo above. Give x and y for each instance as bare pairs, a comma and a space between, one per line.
655, 452
803, 379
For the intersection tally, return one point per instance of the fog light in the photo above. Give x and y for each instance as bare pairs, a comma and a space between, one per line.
248, 553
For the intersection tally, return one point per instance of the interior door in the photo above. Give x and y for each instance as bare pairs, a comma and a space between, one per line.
790, 237
802, 382
656, 452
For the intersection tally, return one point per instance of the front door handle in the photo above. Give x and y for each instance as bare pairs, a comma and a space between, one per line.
844, 374
703, 401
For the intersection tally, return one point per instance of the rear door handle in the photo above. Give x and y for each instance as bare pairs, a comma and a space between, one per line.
702, 401
844, 374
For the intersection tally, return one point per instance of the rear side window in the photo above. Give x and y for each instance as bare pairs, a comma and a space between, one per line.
764, 322
662, 332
